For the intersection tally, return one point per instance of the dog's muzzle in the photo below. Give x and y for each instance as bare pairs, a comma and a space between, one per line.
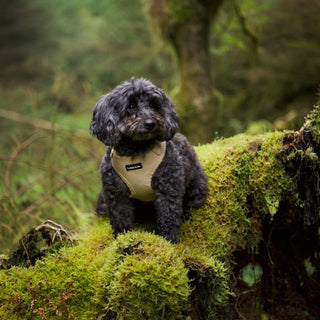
149, 124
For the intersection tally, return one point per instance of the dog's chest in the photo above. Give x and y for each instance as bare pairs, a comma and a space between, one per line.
137, 172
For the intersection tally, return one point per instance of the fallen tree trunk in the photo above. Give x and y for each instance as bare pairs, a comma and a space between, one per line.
288, 251
251, 252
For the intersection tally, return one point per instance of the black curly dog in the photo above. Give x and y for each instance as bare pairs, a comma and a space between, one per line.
132, 120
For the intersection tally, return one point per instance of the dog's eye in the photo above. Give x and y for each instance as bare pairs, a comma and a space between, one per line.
131, 106
154, 103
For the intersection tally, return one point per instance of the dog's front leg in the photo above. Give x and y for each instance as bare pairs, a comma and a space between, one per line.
117, 207
120, 210
168, 185
114, 200
168, 214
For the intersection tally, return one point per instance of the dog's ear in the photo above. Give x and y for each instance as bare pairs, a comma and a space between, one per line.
103, 124
172, 121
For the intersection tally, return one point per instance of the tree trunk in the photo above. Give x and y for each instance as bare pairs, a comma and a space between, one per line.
186, 26
196, 102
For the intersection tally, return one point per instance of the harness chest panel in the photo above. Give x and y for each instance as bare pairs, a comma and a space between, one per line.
137, 172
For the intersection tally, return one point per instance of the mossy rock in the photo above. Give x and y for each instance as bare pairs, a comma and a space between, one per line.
255, 193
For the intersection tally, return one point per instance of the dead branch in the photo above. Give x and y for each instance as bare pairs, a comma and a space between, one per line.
58, 228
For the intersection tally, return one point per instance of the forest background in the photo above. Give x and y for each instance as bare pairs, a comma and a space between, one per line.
58, 57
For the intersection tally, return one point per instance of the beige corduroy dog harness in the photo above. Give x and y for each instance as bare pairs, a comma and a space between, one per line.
137, 172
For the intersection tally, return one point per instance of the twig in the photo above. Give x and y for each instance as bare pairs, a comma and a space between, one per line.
247, 31
163, 312
25, 249
58, 228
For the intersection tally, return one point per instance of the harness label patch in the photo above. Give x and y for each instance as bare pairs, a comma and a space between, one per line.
135, 166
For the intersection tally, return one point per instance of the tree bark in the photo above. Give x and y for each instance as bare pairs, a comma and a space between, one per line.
186, 26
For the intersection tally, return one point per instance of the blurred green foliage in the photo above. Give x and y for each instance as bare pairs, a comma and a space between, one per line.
265, 55
57, 57
46, 176
279, 82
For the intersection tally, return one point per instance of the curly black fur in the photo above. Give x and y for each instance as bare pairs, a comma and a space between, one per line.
131, 119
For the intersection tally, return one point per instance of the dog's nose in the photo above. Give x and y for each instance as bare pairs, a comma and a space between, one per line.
149, 124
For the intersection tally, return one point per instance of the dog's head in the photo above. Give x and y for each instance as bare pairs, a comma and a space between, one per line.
137, 110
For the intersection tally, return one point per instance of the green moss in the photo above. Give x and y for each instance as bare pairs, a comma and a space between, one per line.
313, 123
247, 180
137, 276
210, 283
145, 278
140, 275
60, 285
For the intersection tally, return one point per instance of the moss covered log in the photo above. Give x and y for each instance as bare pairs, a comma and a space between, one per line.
251, 252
